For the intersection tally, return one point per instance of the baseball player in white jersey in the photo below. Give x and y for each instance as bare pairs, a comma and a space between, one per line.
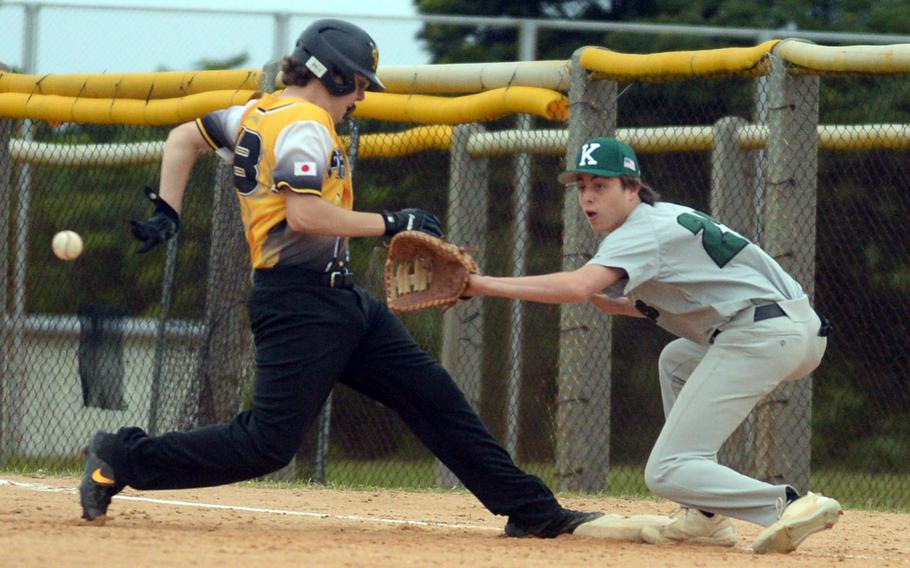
744, 326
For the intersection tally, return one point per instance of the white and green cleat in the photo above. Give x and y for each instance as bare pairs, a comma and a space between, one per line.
803, 517
693, 527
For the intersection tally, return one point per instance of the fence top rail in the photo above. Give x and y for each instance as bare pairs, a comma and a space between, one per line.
650, 140
463, 78
85, 110
464, 109
173, 97
607, 64
418, 79
823, 59
378, 145
476, 77
145, 86
132, 328
422, 109
662, 139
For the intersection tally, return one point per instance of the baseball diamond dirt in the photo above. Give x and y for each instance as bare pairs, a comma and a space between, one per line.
264, 525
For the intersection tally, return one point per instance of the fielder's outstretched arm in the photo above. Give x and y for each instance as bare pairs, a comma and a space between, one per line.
556, 288
615, 306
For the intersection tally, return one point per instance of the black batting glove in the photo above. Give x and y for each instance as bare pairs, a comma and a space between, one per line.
411, 219
160, 227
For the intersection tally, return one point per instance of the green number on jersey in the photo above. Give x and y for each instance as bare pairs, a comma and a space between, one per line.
720, 246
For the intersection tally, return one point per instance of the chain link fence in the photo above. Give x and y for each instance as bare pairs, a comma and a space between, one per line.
812, 168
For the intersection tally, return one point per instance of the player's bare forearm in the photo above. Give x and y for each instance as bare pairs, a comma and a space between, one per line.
556, 288
615, 306
313, 215
183, 146
548, 289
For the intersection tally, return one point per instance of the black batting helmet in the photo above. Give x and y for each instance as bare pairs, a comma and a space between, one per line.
334, 50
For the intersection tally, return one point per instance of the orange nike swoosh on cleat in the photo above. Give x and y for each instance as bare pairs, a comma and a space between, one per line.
99, 478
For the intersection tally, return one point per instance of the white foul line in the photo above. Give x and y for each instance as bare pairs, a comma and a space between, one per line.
359, 518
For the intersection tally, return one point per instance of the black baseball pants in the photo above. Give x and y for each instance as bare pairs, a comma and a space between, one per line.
308, 337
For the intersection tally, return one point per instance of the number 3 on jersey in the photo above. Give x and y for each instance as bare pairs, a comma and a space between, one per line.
721, 246
246, 162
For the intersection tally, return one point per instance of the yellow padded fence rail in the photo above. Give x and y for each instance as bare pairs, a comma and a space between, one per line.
478, 77
505, 88
59, 109
405, 143
420, 109
158, 85
479, 107
457, 78
675, 64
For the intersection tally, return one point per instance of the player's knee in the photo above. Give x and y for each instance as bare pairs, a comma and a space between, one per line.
669, 357
657, 473
276, 456
271, 447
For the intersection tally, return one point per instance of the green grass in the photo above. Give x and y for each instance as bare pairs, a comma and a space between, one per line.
37, 466
864, 490
855, 490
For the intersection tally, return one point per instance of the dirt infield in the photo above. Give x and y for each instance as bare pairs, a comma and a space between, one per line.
251, 525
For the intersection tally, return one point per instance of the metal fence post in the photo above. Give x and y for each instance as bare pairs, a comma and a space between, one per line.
784, 419
521, 206
6, 174
16, 344
161, 341
224, 356
583, 401
466, 224
733, 172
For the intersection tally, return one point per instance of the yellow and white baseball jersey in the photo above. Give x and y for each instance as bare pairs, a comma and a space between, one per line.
280, 144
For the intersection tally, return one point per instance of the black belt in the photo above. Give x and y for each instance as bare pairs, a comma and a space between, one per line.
292, 275
765, 312
768, 311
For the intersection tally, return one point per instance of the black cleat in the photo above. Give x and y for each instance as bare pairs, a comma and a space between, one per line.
98, 485
566, 523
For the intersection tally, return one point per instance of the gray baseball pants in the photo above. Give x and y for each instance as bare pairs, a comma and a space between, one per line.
708, 391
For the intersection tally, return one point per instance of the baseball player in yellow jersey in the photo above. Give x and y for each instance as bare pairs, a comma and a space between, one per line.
744, 326
312, 326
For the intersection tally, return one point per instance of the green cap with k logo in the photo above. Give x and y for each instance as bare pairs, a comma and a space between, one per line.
603, 157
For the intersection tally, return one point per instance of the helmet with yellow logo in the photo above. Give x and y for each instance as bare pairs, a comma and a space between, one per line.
336, 51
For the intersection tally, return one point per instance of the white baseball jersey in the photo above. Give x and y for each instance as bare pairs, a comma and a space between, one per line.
692, 273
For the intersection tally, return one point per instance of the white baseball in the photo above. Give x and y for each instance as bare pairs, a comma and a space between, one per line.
67, 245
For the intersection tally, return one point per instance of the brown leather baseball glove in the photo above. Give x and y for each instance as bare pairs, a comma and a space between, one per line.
425, 272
